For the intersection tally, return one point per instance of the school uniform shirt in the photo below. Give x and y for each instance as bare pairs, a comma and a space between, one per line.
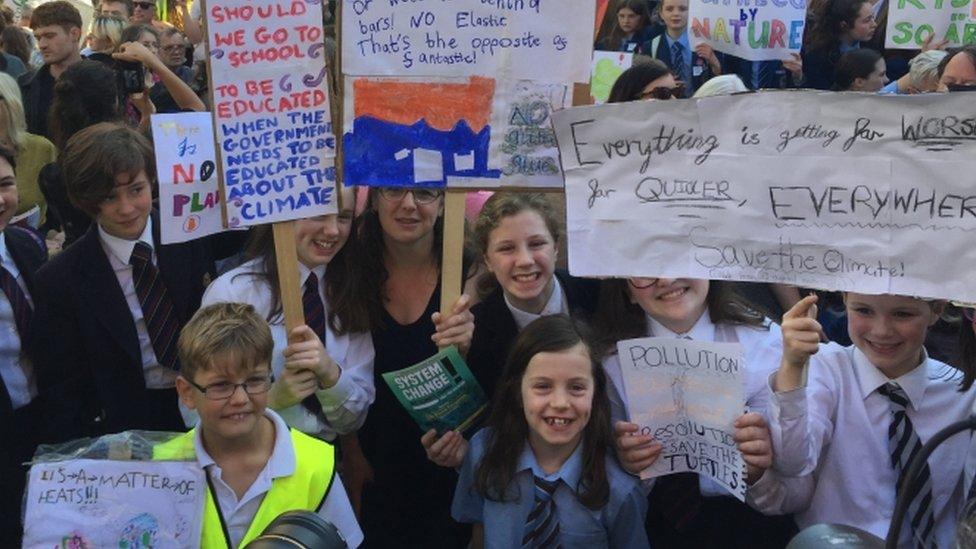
15, 366
344, 404
238, 513
119, 251
620, 523
835, 430
763, 348
557, 304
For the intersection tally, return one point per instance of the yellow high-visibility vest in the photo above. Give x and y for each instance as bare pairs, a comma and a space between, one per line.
305, 489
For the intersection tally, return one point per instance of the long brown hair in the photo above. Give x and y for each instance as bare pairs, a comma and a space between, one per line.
829, 20
508, 431
617, 318
611, 41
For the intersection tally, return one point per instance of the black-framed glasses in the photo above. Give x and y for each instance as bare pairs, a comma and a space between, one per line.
662, 93
641, 282
420, 196
970, 314
223, 390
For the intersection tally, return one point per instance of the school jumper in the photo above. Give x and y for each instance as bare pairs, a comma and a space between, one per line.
21, 253
344, 405
496, 325
830, 444
619, 523
720, 520
97, 370
299, 475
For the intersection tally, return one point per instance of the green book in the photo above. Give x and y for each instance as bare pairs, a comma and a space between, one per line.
440, 393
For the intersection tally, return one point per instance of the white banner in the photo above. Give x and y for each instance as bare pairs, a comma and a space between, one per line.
761, 32
854, 192
911, 22
687, 395
271, 109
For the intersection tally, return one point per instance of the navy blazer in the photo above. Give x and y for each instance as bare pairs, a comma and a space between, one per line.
29, 252
89, 371
495, 329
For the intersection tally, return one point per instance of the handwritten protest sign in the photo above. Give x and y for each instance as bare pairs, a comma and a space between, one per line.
186, 170
433, 89
687, 395
607, 67
757, 31
102, 503
911, 22
271, 109
439, 393
837, 191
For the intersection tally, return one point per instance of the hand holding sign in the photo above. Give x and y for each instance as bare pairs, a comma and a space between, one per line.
448, 450
754, 441
801, 340
456, 329
306, 352
635, 451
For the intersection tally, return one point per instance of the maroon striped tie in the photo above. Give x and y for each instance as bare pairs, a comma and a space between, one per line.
18, 302
157, 308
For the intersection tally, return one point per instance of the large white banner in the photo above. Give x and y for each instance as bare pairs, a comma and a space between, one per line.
851, 192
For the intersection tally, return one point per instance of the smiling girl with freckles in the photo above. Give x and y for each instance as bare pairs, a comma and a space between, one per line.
706, 311
324, 370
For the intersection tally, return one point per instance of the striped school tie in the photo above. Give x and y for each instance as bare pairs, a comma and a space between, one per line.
18, 303
542, 525
157, 308
678, 65
314, 319
904, 444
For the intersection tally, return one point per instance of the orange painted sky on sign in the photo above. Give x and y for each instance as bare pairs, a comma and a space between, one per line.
442, 105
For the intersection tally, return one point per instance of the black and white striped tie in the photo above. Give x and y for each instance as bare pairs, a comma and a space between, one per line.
904, 445
542, 524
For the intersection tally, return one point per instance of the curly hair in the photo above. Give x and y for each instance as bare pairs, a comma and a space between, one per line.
84, 94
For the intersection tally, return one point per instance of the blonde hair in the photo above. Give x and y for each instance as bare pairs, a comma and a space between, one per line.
13, 125
224, 330
109, 28
724, 84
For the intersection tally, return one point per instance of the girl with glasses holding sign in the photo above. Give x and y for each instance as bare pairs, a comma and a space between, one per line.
706, 311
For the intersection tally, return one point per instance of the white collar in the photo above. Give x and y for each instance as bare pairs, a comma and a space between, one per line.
303, 274
5, 258
122, 248
870, 378
703, 330
555, 305
282, 462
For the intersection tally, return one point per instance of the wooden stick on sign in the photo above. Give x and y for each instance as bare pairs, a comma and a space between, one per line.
452, 270
287, 259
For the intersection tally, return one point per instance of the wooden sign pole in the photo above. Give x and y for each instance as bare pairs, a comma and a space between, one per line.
452, 271
287, 260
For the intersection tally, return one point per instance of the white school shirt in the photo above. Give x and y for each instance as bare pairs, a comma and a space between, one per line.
762, 348
238, 513
557, 304
15, 366
344, 404
830, 440
119, 251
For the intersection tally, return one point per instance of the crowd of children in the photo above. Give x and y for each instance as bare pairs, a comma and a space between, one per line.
119, 331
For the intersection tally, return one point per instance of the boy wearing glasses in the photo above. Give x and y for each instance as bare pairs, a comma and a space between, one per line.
256, 467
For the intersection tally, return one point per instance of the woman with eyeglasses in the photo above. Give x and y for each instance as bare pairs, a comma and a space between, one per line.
706, 311
324, 369
646, 80
405, 499
837, 27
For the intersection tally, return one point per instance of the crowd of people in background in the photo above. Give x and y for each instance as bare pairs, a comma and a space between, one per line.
93, 305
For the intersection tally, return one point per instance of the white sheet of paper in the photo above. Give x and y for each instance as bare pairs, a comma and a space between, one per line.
756, 33
842, 192
910, 22
687, 395
104, 503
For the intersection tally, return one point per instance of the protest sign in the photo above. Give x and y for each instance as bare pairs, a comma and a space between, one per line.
606, 68
439, 393
757, 31
189, 198
271, 109
912, 22
851, 192
459, 94
88, 503
687, 395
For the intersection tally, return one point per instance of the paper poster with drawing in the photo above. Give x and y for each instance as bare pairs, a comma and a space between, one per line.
606, 69
90, 503
837, 191
189, 200
432, 89
757, 31
687, 395
912, 22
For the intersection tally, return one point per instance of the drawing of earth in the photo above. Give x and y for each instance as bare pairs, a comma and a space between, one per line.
140, 532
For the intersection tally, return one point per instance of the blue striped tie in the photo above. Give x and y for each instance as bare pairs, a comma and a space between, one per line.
678, 64
542, 525
315, 319
904, 445
157, 308
18, 303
